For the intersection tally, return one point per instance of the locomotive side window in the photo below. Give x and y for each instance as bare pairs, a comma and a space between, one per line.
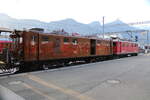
123, 45
21, 40
103, 43
33, 40
66, 40
45, 38
15, 40
126, 44
74, 41
108, 43
98, 42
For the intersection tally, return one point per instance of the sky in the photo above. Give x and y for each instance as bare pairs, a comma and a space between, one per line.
84, 11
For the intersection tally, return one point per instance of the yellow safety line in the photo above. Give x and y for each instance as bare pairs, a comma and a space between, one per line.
64, 90
38, 92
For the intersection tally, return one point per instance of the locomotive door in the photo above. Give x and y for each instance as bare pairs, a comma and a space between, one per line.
31, 48
93, 47
34, 47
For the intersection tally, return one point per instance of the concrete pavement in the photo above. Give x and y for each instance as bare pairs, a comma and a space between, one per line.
119, 79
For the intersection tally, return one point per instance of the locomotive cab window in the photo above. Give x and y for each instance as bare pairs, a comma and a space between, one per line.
74, 41
16, 40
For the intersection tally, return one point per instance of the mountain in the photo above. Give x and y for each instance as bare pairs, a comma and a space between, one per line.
115, 26
12, 23
96, 25
119, 26
69, 25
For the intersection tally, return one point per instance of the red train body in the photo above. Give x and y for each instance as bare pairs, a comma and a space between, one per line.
42, 47
30, 48
125, 48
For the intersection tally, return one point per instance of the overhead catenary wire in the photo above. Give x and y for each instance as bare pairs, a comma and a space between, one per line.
131, 23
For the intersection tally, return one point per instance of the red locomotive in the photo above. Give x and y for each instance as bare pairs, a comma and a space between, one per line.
32, 49
124, 48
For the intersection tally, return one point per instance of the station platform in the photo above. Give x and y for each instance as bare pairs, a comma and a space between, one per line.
119, 79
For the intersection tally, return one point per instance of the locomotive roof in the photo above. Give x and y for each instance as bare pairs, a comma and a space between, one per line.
73, 36
2, 29
21, 32
123, 41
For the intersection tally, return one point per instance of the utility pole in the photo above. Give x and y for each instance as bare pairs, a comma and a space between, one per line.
147, 38
103, 27
131, 36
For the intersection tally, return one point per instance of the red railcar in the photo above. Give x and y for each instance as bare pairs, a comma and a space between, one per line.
41, 47
4, 44
32, 50
124, 48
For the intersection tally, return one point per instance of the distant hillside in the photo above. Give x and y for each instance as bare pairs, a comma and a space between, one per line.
69, 25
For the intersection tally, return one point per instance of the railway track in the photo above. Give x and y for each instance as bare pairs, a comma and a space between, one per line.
12, 71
